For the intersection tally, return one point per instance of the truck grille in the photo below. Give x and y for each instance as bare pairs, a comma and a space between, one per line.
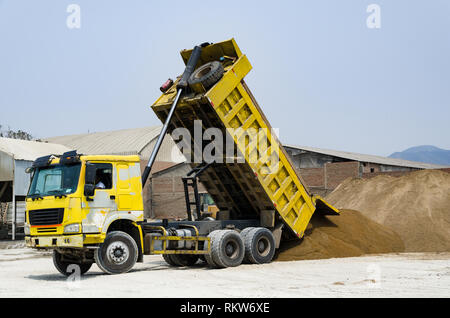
46, 216
47, 230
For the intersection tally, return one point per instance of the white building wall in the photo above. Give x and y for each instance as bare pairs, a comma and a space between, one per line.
6, 167
21, 178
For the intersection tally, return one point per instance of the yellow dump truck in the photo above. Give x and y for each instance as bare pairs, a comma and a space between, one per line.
88, 208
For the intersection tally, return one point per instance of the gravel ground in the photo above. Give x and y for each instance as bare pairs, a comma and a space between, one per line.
28, 273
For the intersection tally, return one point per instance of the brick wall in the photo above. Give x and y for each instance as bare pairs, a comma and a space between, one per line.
314, 177
337, 172
322, 181
371, 168
147, 191
168, 200
169, 205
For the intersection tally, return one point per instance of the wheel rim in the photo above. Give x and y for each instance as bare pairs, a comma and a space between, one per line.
117, 253
232, 249
263, 246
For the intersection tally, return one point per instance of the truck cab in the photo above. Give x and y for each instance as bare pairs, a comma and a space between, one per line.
74, 201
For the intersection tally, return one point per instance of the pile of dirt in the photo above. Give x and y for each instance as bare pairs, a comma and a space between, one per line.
416, 206
346, 235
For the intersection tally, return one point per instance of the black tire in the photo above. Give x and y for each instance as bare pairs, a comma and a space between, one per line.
245, 231
259, 246
206, 76
184, 259
62, 266
244, 234
117, 254
169, 260
228, 249
208, 257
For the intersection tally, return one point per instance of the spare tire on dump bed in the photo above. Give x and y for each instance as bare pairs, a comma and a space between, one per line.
206, 76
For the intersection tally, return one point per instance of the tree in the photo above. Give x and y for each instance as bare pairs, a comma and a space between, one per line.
19, 134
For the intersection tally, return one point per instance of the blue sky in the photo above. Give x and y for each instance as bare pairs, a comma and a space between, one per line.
319, 73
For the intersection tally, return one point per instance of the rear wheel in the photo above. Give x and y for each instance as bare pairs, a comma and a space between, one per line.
259, 246
117, 254
63, 266
227, 249
208, 257
245, 231
244, 234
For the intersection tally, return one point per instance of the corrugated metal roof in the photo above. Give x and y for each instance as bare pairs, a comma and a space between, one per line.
29, 150
119, 142
135, 141
369, 158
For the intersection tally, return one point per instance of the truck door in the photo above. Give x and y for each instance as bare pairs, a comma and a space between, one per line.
104, 199
123, 187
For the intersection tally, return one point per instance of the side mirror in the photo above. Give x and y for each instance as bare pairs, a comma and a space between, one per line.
89, 189
29, 170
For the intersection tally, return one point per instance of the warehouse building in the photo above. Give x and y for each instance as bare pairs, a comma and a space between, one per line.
15, 156
323, 170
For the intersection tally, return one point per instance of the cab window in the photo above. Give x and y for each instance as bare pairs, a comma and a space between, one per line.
103, 175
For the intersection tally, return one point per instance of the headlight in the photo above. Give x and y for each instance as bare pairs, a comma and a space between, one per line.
72, 228
26, 229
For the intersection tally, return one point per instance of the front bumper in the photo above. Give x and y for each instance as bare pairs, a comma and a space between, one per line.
75, 241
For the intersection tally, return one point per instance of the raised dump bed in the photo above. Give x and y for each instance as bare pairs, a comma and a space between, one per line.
257, 187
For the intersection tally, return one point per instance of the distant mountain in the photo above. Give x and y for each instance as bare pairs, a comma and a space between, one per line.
427, 154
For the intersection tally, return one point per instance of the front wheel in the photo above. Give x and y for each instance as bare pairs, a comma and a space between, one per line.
64, 266
117, 254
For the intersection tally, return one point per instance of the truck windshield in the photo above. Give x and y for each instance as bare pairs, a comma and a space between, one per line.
55, 180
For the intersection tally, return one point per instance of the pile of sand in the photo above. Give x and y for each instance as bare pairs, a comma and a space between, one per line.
346, 235
416, 206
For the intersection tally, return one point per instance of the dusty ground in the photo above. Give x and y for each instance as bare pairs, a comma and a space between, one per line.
25, 273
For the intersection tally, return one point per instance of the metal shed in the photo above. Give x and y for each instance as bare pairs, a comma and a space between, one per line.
310, 157
15, 156
134, 141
